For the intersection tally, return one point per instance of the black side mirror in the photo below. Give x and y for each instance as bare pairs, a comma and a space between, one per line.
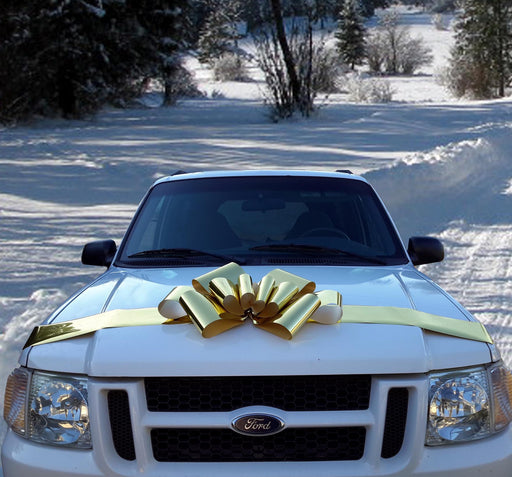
99, 253
424, 250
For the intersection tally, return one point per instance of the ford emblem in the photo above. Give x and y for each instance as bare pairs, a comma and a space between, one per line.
257, 425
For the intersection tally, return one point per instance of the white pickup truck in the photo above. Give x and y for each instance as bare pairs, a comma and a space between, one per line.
406, 383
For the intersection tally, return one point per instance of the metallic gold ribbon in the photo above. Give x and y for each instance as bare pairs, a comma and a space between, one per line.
281, 303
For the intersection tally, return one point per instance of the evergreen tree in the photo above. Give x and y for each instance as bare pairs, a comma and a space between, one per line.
15, 72
323, 9
71, 63
166, 26
71, 57
368, 6
220, 31
350, 33
482, 57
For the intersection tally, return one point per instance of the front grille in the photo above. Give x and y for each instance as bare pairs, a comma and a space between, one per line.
396, 418
225, 445
339, 436
289, 393
121, 424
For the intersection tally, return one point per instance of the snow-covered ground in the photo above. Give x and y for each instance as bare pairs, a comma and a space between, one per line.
443, 166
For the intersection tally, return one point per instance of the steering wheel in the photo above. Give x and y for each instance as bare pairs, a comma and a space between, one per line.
322, 230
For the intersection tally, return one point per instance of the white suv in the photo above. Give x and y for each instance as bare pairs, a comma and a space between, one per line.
407, 384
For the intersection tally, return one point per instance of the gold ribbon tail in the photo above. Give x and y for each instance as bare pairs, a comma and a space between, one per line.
84, 326
389, 315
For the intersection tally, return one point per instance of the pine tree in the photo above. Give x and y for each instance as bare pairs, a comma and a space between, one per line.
482, 57
68, 66
16, 71
220, 32
323, 9
368, 6
350, 33
71, 57
165, 26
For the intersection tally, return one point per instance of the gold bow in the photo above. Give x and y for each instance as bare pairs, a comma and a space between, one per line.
281, 303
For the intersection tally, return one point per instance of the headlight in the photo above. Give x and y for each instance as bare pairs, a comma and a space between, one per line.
52, 409
469, 404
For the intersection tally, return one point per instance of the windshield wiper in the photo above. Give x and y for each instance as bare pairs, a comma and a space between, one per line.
183, 253
312, 249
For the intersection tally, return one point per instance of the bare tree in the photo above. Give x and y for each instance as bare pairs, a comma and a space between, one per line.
310, 62
390, 48
285, 48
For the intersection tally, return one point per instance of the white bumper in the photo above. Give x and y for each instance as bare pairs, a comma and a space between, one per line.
487, 457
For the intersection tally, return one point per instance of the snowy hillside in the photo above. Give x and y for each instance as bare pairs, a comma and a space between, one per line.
442, 166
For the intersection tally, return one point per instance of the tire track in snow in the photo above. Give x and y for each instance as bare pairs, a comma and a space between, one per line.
477, 272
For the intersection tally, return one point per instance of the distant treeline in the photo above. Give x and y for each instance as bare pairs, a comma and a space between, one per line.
70, 57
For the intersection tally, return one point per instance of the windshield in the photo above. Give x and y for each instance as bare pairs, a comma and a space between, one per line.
261, 220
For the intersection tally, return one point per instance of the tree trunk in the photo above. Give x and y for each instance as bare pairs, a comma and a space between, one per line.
285, 48
501, 13
65, 92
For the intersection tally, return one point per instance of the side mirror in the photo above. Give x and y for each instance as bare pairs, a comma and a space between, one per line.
99, 253
424, 250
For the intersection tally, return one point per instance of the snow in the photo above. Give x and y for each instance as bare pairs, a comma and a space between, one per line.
441, 165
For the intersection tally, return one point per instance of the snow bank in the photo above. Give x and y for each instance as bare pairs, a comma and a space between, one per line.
463, 180
26, 314
461, 193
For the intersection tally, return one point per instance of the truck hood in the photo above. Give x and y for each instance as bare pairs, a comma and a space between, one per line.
179, 350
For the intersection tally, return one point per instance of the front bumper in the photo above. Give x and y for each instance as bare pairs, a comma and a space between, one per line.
492, 456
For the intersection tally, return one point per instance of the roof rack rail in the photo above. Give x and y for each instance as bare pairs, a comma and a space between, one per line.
345, 171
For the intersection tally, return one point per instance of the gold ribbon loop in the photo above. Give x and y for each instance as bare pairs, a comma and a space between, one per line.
330, 310
205, 313
170, 307
304, 286
280, 297
293, 317
264, 290
226, 294
231, 271
246, 291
